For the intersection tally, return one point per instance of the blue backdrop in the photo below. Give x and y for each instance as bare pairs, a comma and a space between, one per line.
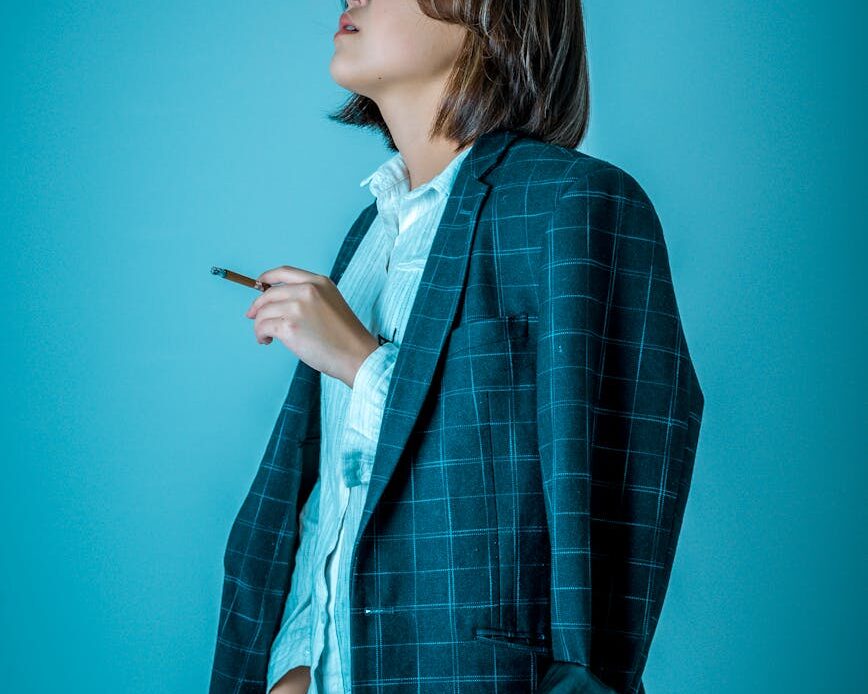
144, 142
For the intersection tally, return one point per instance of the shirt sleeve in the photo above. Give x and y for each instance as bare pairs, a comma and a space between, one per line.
291, 646
365, 413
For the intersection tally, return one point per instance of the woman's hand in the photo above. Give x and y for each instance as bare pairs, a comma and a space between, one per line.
308, 314
296, 681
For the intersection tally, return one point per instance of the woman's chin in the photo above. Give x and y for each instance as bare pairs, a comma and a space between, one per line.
348, 79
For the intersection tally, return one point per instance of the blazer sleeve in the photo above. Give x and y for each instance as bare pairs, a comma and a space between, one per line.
618, 413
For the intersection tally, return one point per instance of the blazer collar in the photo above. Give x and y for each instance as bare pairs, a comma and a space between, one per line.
434, 307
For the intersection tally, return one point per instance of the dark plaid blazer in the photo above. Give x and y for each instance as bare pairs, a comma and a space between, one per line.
535, 454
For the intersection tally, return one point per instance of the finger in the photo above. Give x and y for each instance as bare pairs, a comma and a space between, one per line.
267, 329
274, 309
261, 331
269, 295
287, 274
261, 337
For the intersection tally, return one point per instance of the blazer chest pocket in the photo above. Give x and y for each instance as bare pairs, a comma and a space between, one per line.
493, 359
482, 332
482, 354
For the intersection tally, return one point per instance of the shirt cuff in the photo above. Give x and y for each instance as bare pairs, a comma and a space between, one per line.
365, 413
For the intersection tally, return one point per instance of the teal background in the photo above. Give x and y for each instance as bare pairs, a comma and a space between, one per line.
144, 142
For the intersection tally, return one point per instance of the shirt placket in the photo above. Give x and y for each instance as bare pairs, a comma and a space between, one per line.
335, 564
325, 600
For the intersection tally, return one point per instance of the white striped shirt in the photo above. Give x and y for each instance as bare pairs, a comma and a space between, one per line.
379, 284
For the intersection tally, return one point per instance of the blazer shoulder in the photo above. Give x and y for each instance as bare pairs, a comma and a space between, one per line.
535, 162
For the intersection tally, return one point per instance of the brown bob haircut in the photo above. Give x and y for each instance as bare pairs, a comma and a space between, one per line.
523, 66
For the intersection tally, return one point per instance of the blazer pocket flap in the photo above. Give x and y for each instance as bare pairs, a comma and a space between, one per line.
524, 640
484, 331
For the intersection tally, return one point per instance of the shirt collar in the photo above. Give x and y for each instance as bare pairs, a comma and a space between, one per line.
391, 177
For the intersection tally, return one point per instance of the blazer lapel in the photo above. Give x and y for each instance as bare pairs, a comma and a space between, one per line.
352, 241
433, 310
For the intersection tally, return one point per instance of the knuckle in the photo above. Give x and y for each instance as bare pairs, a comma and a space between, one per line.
310, 289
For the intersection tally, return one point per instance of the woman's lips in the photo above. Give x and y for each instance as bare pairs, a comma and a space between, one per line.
342, 31
343, 21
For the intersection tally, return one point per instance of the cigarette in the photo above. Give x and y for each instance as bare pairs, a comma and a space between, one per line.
239, 278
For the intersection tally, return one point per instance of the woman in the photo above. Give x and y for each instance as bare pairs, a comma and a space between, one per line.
478, 476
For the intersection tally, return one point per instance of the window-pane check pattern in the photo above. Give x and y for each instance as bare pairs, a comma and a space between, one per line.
535, 453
